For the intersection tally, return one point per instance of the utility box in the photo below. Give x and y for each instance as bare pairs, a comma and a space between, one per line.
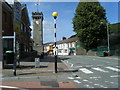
9, 57
37, 62
102, 51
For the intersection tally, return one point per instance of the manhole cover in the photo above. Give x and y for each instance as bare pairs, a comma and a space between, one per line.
50, 83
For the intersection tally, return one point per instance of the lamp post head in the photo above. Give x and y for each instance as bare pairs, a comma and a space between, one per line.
55, 14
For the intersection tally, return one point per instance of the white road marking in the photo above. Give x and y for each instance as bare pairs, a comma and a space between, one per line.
78, 77
99, 69
88, 86
78, 66
115, 76
71, 65
76, 81
118, 66
85, 80
100, 85
99, 65
8, 87
86, 71
97, 84
89, 65
114, 69
112, 82
70, 78
94, 77
103, 86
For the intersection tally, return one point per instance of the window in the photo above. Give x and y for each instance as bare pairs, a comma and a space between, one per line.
24, 30
21, 27
59, 50
65, 51
5, 17
73, 44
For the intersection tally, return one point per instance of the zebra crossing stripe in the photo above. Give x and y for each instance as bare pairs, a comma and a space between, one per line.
115, 76
77, 81
8, 87
114, 69
86, 71
70, 78
99, 69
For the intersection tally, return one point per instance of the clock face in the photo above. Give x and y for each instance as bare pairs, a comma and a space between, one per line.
37, 22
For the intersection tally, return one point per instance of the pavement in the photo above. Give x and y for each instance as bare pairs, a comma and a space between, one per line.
29, 77
44, 77
46, 68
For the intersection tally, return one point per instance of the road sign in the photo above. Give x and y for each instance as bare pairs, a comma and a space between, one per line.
77, 46
17, 8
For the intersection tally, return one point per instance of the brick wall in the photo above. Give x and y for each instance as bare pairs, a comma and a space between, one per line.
7, 20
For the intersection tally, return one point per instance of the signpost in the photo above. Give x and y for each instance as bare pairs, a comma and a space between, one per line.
16, 26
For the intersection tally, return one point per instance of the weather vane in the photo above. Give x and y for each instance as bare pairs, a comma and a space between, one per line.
37, 3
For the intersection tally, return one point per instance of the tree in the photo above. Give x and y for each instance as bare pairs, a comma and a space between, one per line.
87, 24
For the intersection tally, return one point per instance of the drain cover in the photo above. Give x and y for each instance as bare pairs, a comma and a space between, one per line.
50, 83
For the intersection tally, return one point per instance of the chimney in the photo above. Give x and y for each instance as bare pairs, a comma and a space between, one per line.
63, 38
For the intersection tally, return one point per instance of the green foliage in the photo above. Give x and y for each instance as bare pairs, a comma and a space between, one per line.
115, 28
87, 24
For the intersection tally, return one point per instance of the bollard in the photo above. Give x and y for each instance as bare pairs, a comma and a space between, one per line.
37, 62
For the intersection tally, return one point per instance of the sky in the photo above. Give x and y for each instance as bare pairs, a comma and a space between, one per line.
66, 11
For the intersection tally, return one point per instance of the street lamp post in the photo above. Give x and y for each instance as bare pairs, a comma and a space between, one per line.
108, 39
55, 14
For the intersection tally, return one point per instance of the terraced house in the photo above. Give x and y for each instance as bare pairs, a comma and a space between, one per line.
8, 29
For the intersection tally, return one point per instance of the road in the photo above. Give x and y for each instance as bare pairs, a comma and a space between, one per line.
94, 72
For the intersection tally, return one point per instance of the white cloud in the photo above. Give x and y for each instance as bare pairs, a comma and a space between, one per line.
48, 31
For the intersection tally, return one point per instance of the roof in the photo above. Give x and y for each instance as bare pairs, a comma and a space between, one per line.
73, 39
67, 40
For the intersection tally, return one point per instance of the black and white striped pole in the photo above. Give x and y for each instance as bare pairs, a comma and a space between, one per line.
55, 14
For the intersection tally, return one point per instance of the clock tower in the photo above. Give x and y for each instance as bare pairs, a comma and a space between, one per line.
38, 31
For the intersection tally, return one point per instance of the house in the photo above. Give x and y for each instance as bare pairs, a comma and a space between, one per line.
64, 47
67, 46
48, 48
24, 42
7, 26
1, 53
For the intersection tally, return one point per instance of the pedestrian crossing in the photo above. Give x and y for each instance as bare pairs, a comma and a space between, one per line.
99, 69
114, 69
91, 77
86, 71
